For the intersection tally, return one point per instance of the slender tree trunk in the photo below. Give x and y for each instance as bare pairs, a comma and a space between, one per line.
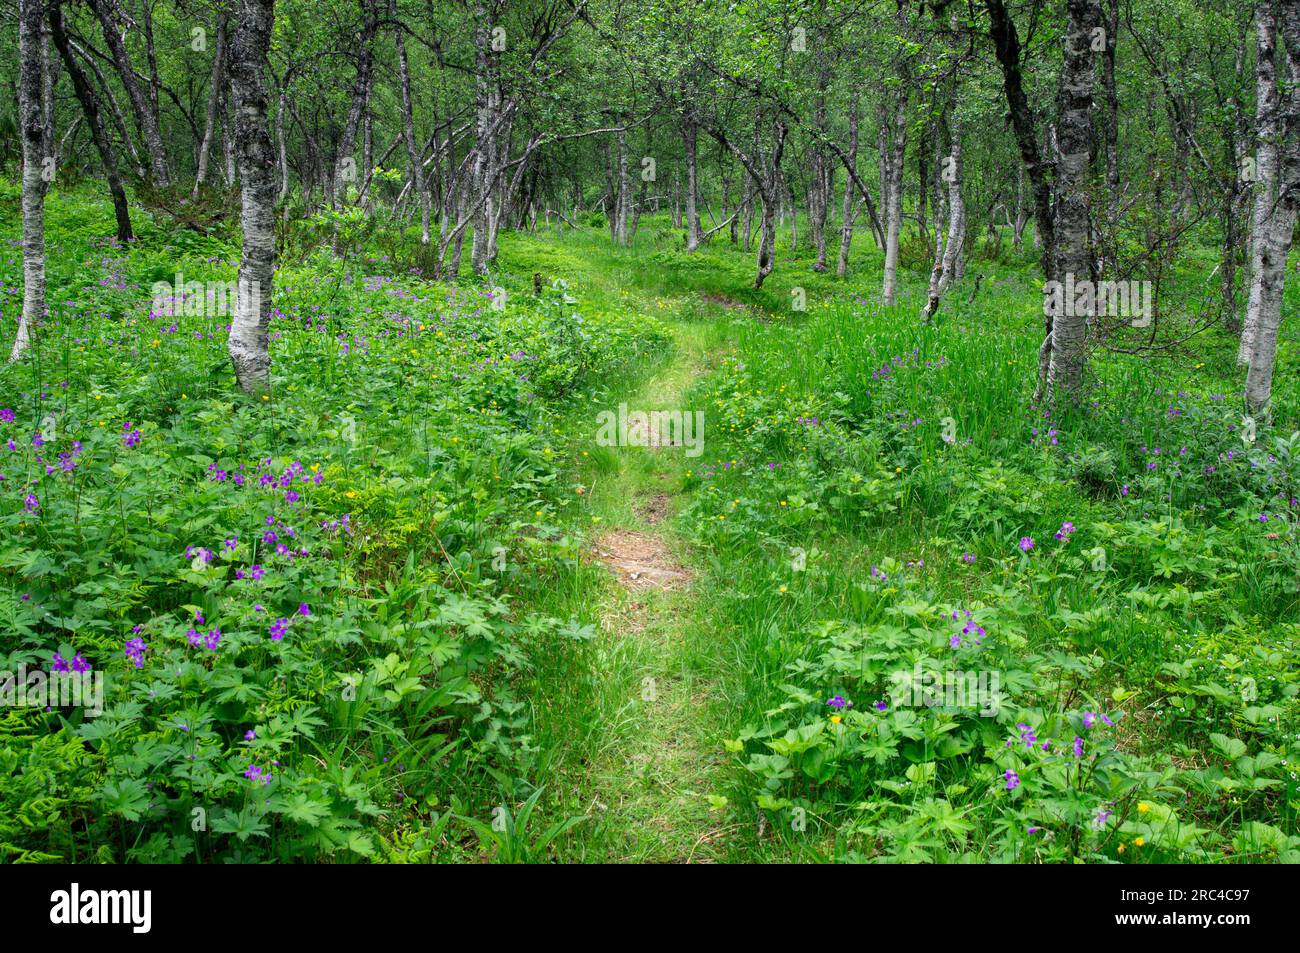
689, 136
770, 195
36, 147
948, 264
216, 88
623, 200
1266, 174
883, 154
1274, 242
249, 339
408, 133
145, 107
894, 221
1072, 225
483, 177
90, 107
281, 107
344, 161
1006, 45
367, 161
1022, 215
846, 210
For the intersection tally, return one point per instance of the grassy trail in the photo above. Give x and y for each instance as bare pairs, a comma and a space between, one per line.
644, 777
654, 772
650, 778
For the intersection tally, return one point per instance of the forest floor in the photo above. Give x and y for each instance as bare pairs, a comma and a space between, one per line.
635, 652
653, 780
659, 765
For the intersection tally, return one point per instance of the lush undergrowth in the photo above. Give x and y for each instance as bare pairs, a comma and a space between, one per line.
356, 620
967, 630
317, 617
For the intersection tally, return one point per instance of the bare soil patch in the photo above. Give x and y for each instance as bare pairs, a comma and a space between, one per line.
641, 561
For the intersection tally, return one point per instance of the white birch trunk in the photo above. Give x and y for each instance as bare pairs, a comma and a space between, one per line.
948, 264
846, 210
894, 219
1072, 220
249, 343
1274, 241
1266, 175
215, 95
36, 146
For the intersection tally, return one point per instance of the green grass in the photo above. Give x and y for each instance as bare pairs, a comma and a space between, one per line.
822, 531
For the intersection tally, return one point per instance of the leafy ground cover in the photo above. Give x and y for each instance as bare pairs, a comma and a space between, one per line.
363, 618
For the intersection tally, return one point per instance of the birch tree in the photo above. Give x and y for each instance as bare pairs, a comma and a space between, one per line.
216, 88
949, 247
1273, 241
846, 210
90, 108
1072, 225
36, 150
249, 344
1263, 269
418, 183
690, 134
143, 105
894, 145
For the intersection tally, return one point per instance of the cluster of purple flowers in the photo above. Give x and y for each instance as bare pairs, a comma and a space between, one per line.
1090, 718
134, 649
78, 663
972, 630
67, 459
209, 641
1063, 534
837, 701
199, 553
344, 523
281, 626
254, 773
130, 436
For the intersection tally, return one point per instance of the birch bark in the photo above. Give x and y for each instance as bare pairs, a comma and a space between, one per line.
249, 344
36, 147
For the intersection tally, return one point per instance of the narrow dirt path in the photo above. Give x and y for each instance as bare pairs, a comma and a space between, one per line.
655, 784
